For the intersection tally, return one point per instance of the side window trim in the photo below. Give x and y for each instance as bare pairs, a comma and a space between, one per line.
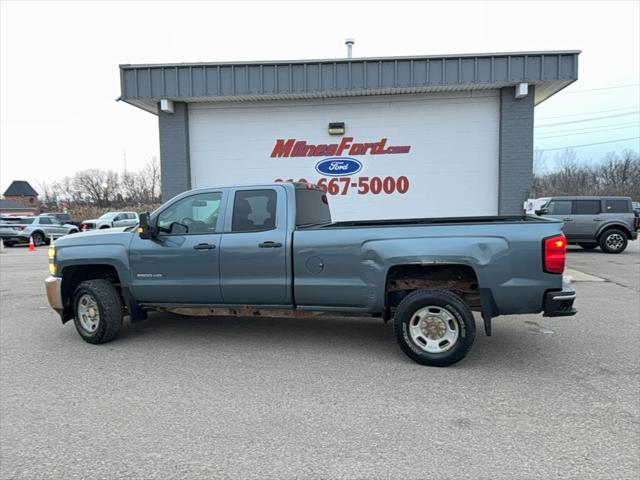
220, 222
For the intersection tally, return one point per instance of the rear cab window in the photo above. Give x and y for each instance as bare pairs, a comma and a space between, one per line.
312, 207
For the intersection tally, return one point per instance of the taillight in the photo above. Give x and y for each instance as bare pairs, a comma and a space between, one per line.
554, 253
21, 227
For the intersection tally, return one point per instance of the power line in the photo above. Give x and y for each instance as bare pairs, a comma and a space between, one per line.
588, 132
597, 112
603, 88
590, 144
582, 120
582, 129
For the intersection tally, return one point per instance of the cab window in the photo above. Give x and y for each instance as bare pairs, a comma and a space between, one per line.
559, 207
254, 210
197, 214
617, 206
587, 207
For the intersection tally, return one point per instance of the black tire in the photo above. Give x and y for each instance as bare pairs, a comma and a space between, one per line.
38, 239
441, 300
104, 226
72, 231
109, 305
613, 241
589, 246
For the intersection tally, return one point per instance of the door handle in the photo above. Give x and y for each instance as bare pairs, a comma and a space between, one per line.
597, 219
270, 245
567, 219
204, 246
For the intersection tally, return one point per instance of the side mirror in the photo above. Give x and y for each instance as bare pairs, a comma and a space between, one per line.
542, 211
144, 229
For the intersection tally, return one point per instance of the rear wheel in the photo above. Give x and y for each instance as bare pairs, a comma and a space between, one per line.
589, 246
98, 311
613, 241
434, 327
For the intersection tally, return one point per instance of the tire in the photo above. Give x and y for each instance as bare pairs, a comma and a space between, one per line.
613, 241
446, 310
38, 239
8, 243
72, 231
103, 295
104, 226
589, 246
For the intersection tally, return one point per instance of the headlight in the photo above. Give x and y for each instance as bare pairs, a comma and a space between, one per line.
52, 260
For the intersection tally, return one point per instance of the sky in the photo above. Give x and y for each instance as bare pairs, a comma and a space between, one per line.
59, 76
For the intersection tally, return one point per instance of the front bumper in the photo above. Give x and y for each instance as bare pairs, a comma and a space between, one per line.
53, 286
560, 303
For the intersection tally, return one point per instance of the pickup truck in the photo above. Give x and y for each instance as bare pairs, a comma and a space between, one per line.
273, 250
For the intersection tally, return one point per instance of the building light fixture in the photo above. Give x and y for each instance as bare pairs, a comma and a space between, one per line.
336, 128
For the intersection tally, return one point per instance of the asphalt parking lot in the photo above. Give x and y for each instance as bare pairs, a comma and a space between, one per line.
195, 398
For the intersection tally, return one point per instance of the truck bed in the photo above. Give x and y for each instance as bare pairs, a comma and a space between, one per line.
428, 221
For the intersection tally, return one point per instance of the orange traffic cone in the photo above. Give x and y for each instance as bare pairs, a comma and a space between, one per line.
32, 247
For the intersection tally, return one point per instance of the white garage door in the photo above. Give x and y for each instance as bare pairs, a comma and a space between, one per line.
401, 156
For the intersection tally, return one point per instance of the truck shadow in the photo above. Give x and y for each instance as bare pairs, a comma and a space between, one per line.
357, 337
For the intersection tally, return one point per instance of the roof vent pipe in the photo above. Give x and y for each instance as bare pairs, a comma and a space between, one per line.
349, 43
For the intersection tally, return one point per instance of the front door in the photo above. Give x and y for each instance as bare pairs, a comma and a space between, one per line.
254, 265
562, 210
181, 263
587, 216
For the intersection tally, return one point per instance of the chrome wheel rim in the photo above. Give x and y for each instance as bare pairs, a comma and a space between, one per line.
614, 241
434, 329
88, 313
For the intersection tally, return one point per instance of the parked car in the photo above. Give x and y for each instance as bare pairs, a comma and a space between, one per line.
273, 250
64, 218
608, 222
41, 228
111, 219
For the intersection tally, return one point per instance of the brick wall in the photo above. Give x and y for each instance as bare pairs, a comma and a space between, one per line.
174, 151
516, 150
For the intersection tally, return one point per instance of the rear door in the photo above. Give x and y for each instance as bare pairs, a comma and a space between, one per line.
254, 267
587, 215
562, 210
180, 265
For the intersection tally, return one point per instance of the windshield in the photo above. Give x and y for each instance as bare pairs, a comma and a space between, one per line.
107, 216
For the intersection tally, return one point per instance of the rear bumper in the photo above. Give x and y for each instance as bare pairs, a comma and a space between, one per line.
560, 303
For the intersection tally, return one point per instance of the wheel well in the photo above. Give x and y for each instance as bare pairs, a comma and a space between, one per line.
76, 274
616, 226
460, 279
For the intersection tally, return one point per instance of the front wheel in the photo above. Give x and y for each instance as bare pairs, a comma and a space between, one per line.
613, 241
98, 311
434, 327
38, 239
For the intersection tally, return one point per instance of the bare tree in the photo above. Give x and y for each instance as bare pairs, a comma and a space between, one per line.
97, 186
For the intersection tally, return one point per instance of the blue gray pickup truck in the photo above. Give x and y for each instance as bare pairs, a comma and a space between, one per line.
273, 250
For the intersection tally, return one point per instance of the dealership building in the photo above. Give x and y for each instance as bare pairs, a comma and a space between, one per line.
425, 136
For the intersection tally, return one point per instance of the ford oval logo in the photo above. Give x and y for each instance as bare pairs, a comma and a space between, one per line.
338, 166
